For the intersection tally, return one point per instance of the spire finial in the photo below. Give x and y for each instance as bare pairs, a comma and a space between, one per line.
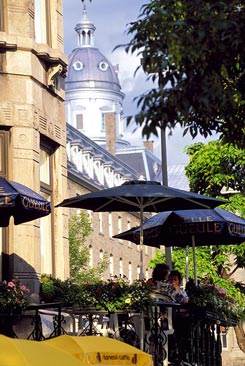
84, 11
85, 30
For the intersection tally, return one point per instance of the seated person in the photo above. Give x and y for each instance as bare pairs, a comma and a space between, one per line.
177, 293
159, 281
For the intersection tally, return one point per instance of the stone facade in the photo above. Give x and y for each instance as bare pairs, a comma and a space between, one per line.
33, 115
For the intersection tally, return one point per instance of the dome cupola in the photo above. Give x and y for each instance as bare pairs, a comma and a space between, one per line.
92, 87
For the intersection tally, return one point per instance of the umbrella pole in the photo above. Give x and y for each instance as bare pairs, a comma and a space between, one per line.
141, 275
194, 258
187, 263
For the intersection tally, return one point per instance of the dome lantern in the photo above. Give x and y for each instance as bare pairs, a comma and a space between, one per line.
85, 30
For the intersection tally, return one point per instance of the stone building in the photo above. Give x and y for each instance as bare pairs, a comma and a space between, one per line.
33, 133
59, 160
35, 147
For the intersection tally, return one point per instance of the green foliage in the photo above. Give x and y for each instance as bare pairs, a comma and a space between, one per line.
79, 229
158, 258
111, 295
221, 298
194, 50
13, 296
215, 166
51, 289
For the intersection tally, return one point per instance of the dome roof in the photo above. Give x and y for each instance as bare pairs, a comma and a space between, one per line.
89, 68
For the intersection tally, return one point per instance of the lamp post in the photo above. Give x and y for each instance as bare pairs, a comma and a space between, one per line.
168, 250
150, 66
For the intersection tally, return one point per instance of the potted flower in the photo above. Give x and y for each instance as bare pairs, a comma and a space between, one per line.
216, 299
13, 300
13, 297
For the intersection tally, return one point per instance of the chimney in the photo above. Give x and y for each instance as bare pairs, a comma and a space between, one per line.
110, 129
149, 145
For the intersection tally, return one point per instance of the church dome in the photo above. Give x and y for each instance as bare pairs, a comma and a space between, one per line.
88, 67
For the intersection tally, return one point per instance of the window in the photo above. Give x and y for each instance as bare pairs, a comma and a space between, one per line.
46, 242
101, 257
100, 223
3, 152
45, 167
4, 264
79, 121
1, 16
111, 266
128, 228
103, 121
2, 56
138, 272
101, 254
77, 65
119, 224
130, 274
90, 217
110, 225
46, 239
103, 65
42, 21
90, 256
121, 267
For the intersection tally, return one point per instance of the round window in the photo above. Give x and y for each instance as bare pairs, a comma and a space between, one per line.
103, 66
78, 65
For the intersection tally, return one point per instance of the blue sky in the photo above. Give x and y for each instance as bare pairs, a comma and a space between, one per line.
111, 18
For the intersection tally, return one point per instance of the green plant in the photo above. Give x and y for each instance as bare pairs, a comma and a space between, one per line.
217, 299
13, 296
139, 295
79, 229
51, 288
112, 295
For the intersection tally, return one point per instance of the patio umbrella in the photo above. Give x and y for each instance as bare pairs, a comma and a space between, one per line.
97, 351
142, 196
184, 227
20, 202
20, 352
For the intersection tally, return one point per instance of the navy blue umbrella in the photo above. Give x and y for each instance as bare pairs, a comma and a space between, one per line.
142, 196
176, 228
20, 202
184, 227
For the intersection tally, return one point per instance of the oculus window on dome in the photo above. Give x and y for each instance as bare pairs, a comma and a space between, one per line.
78, 65
103, 66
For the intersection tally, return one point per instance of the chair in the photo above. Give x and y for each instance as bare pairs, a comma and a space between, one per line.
49, 323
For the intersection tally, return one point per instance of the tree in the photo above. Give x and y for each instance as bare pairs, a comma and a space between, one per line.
79, 229
215, 166
195, 51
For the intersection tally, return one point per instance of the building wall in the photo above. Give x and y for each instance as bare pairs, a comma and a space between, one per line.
125, 255
32, 114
